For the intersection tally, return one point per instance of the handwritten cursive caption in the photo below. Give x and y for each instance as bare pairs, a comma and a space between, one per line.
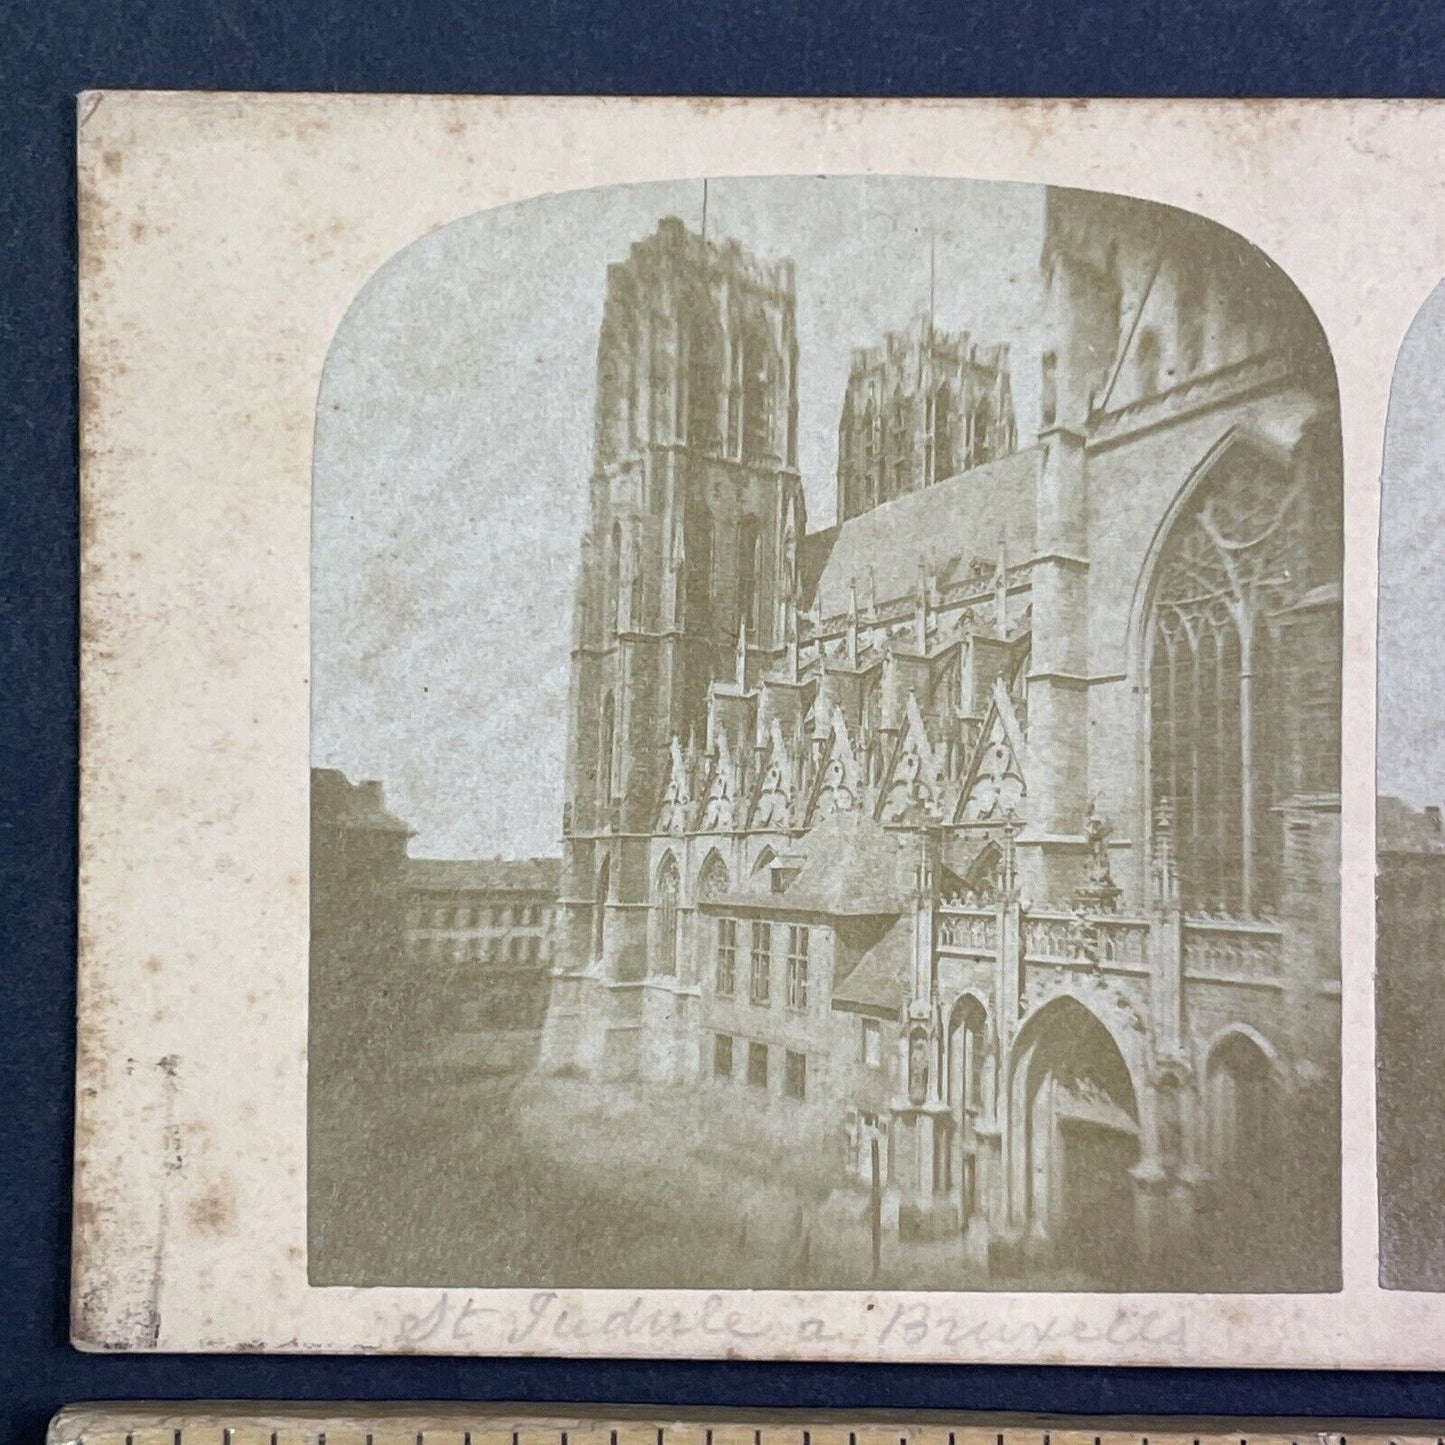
548, 1320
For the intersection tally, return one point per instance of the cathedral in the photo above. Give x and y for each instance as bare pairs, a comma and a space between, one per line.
984, 844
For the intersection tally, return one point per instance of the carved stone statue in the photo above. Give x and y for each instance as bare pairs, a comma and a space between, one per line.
1098, 893
1162, 856
918, 1066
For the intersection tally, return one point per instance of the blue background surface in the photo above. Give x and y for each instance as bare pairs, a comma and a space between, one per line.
48, 51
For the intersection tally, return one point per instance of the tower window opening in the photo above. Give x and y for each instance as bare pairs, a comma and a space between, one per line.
749, 558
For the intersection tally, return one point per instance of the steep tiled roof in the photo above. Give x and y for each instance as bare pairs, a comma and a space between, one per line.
851, 867
883, 977
484, 875
813, 557
948, 525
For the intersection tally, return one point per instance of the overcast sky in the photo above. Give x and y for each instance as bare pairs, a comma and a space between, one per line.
453, 446
1410, 738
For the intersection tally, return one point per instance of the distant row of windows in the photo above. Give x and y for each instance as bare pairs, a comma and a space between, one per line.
517, 949
760, 965
498, 915
725, 1061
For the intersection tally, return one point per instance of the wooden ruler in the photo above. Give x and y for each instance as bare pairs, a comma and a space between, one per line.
411, 1424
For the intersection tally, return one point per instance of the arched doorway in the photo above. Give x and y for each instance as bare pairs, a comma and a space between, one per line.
967, 1046
1074, 1123
1241, 1107
1245, 1158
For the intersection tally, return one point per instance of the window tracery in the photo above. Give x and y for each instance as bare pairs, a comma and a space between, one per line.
1235, 560
668, 889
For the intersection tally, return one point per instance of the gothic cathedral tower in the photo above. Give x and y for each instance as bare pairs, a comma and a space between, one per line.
696, 521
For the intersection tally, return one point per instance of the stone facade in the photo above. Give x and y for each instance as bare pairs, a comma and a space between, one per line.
1410, 1014
358, 911
1036, 765
363, 1020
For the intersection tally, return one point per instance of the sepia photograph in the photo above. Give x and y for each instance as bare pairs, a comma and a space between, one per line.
756, 724
825, 750
1409, 840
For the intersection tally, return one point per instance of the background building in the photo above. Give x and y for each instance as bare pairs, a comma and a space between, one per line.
362, 1031
482, 930
1410, 1018
1073, 956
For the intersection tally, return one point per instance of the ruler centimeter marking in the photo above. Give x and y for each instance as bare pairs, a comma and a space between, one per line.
199, 1424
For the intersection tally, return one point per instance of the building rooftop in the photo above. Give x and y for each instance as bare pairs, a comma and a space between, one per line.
484, 875
882, 980
339, 801
947, 525
1399, 828
847, 866
903, 343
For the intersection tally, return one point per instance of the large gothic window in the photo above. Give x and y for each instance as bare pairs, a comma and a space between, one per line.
900, 435
712, 882
1235, 560
668, 888
699, 562
943, 425
705, 379
736, 374
659, 372
632, 369
980, 442
759, 399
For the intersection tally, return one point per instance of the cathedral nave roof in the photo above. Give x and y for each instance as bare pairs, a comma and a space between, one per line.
947, 525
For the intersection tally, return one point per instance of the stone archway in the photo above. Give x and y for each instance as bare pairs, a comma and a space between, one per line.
1243, 1223
965, 1065
666, 944
1074, 1130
